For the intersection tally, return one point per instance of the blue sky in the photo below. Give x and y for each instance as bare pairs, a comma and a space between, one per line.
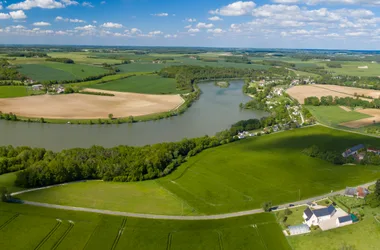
330, 24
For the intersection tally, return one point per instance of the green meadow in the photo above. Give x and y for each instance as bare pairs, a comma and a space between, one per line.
237, 176
13, 91
146, 84
334, 115
59, 71
44, 228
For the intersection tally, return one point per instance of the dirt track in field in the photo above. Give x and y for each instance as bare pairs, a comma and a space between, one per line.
81, 106
375, 113
303, 91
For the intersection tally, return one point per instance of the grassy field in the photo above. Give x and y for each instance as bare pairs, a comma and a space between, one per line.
39, 229
143, 197
334, 115
83, 58
59, 71
352, 69
7, 180
362, 235
141, 67
295, 218
243, 175
146, 84
13, 91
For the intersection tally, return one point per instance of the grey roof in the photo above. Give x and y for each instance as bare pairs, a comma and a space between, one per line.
308, 213
350, 191
299, 229
352, 150
324, 211
345, 218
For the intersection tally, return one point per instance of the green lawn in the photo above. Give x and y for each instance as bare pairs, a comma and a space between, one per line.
363, 235
59, 71
147, 84
349, 201
39, 227
238, 176
13, 91
334, 115
137, 197
295, 218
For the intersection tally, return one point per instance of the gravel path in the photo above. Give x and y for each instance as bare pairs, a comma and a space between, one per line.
173, 217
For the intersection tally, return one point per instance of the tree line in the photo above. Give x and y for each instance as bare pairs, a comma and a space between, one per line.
61, 60
342, 101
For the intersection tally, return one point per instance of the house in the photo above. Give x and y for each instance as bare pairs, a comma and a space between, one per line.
353, 150
314, 217
359, 192
373, 150
344, 221
37, 87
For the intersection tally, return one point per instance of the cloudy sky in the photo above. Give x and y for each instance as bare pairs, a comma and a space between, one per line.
330, 24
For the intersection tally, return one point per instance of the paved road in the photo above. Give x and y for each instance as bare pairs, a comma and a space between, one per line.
173, 217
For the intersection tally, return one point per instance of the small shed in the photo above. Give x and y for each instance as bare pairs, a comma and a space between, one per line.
299, 229
344, 221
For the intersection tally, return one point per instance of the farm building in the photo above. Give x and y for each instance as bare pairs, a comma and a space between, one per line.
344, 221
299, 229
352, 151
373, 150
314, 217
37, 87
358, 192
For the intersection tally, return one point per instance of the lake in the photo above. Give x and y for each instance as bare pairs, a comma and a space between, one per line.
216, 110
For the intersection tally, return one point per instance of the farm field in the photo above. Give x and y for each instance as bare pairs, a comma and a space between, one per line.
83, 58
335, 115
59, 71
142, 67
79, 106
352, 69
240, 176
374, 118
39, 228
146, 84
8, 180
300, 92
13, 91
362, 235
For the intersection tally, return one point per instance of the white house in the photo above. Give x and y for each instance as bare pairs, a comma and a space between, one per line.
314, 217
343, 221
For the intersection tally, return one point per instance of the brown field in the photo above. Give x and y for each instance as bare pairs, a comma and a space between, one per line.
81, 106
302, 91
366, 121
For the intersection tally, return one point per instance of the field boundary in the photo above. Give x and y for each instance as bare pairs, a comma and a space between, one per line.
9, 221
46, 238
63, 236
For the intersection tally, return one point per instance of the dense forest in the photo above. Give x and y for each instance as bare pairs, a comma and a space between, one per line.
9, 72
342, 101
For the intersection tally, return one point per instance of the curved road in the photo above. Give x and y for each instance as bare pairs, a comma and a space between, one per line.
174, 217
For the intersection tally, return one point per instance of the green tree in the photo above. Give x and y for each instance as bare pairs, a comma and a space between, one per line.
267, 206
5, 196
110, 116
377, 189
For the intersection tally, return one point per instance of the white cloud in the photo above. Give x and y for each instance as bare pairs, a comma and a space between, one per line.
156, 32
1, 6
103, 2
62, 33
358, 33
239, 8
4, 16
286, 1
135, 31
215, 31
347, 2
191, 20
86, 28
87, 4
17, 27
112, 25
18, 14
41, 24
69, 2
187, 26
193, 30
171, 36
215, 18
59, 18
95, 22
161, 14
44, 4
205, 25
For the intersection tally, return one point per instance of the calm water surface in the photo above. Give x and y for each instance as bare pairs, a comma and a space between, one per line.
216, 110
